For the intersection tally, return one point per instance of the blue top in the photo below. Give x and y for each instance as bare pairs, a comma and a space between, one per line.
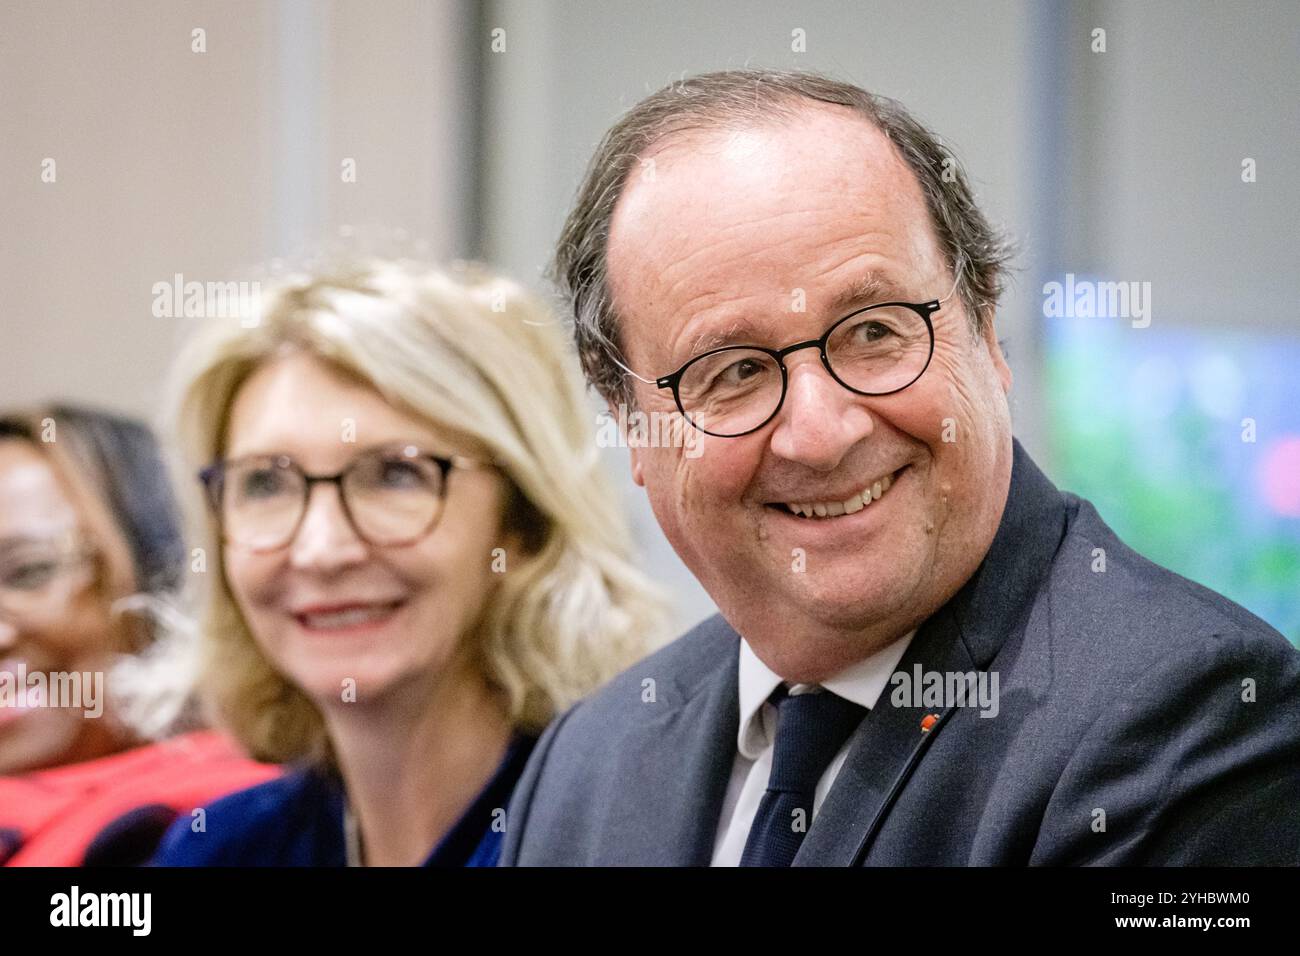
297, 820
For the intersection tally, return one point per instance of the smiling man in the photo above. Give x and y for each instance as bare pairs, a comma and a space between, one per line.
781, 260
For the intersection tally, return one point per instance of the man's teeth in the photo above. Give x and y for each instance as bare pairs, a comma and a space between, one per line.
348, 618
832, 509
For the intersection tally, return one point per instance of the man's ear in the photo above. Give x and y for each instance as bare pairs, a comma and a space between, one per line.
634, 454
990, 341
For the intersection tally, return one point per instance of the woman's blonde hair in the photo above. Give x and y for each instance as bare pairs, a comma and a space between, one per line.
473, 352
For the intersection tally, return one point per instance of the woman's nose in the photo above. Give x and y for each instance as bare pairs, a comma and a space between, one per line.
326, 539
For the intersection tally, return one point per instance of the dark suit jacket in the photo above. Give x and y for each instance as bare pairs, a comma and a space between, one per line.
1126, 732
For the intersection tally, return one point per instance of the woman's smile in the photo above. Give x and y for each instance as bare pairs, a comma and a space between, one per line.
347, 617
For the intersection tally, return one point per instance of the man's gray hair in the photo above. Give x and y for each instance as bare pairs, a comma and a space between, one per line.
972, 249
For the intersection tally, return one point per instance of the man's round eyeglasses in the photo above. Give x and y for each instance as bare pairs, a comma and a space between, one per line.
391, 496
737, 389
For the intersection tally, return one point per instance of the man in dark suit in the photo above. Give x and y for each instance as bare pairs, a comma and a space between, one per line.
926, 653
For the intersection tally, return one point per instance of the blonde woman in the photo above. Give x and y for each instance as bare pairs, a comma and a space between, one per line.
416, 562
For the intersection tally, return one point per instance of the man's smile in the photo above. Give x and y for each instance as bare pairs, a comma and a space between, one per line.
834, 506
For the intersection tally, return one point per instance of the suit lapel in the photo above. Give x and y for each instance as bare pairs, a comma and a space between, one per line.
675, 766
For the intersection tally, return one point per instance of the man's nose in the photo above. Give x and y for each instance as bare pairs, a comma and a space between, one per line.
820, 419
326, 540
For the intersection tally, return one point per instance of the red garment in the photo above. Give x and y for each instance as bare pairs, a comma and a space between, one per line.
50, 817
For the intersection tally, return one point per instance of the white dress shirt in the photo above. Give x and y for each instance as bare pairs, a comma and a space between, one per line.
861, 683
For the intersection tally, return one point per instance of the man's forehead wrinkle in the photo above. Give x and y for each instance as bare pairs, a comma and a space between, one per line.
865, 289
722, 235
868, 287
679, 273
711, 338
720, 239
696, 312
715, 306
697, 330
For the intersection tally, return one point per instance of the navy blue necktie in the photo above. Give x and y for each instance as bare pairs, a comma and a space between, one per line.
810, 730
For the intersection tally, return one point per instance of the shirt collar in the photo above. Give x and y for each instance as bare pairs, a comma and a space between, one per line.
861, 682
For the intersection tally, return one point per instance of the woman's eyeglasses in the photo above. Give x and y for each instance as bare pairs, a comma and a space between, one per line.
392, 496
38, 576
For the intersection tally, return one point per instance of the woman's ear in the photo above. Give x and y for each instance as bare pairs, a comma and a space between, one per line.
132, 630
524, 529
